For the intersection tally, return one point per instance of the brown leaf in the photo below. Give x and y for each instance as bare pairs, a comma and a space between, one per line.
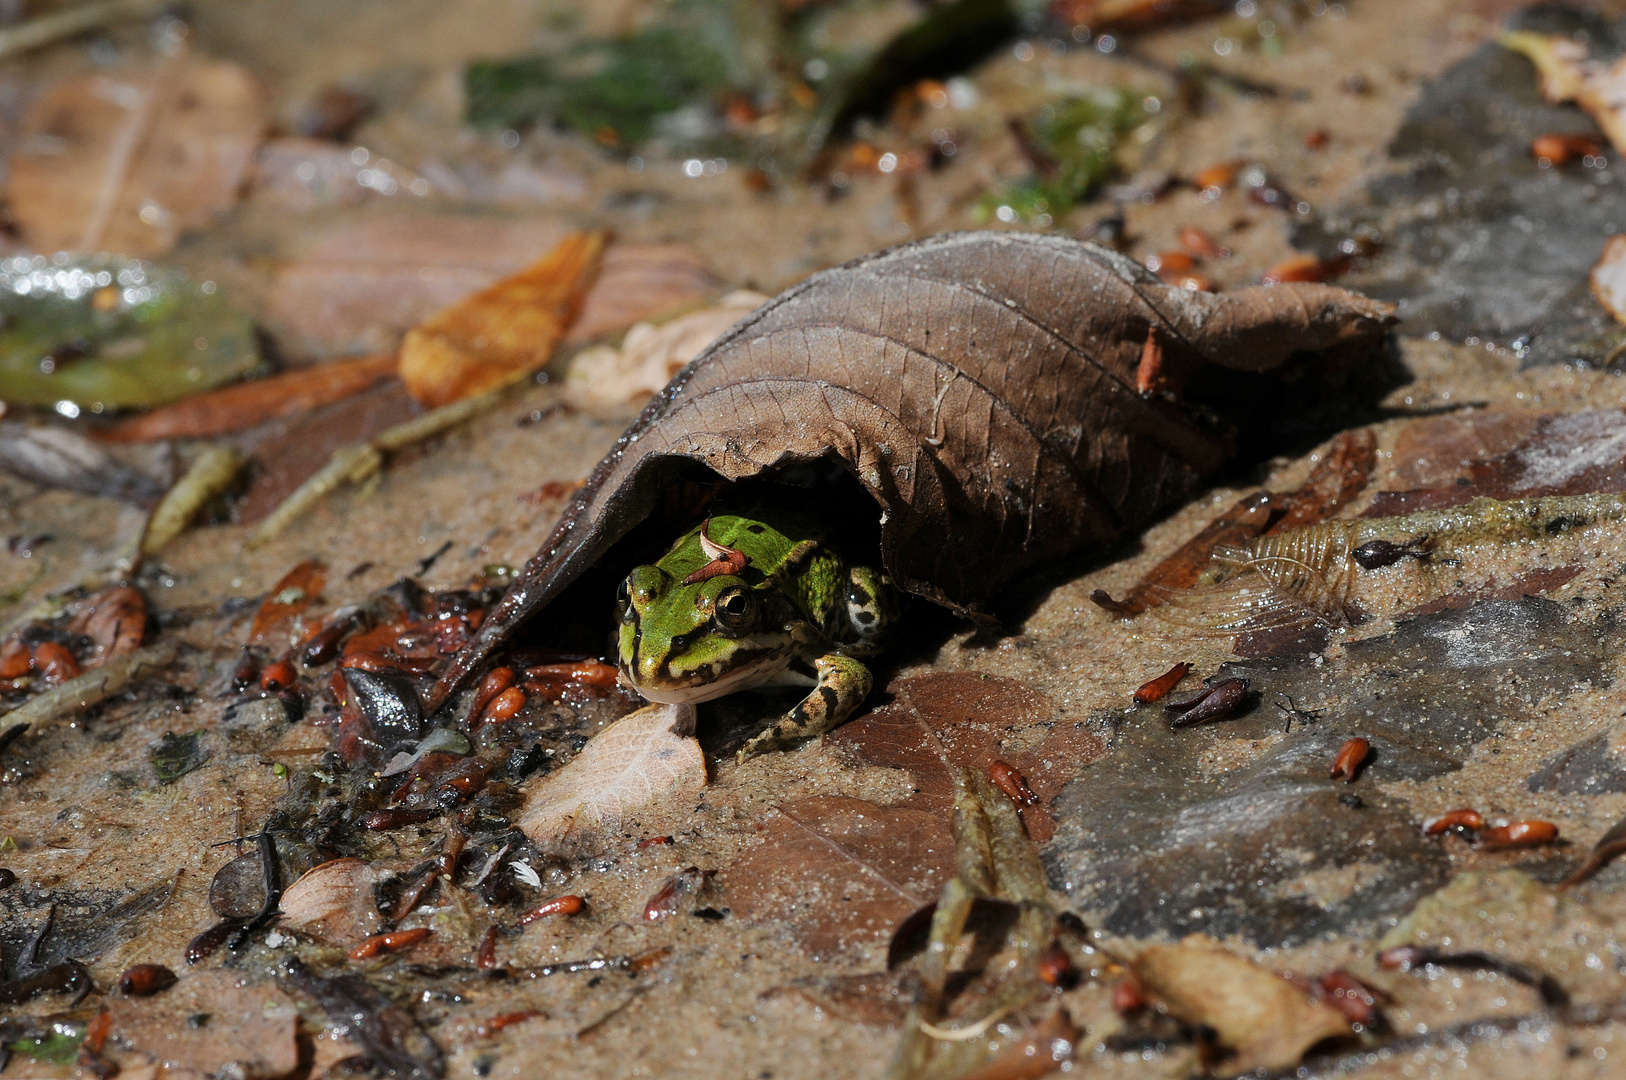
650, 355
333, 902
840, 872
1568, 75
286, 601
1440, 451
1265, 1019
636, 774
943, 721
981, 388
636, 282
115, 619
1340, 475
250, 1032
233, 408
502, 332
128, 163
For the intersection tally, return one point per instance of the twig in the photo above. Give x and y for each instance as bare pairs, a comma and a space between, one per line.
60, 24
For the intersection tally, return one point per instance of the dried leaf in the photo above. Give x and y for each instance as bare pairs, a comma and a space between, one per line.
635, 774
980, 386
248, 1027
130, 163
234, 408
333, 902
1340, 475
651, 355
1567, 74
1265, 1019
502, 332
639, 281
387, 1033
839, 872
286, 601
112, 333
115, 619
1609, 278
57, 457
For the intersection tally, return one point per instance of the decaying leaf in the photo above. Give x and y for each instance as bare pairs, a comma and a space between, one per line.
1609, 278
212, 1023
1265, 1019
650, 355
115, 619
636, 774
108, 332
503, 332
176, 755
129, 163
286, 601
981, 388
640, 281
1568, 74
388, 1034
333, 902
57, 457
236, 407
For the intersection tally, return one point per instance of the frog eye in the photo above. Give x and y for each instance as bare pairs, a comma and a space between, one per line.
735, 609
623, 601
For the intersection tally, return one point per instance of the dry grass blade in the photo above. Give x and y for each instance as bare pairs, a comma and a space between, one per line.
501, 332
234, 408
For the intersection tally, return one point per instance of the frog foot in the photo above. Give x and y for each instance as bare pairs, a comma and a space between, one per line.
843, 684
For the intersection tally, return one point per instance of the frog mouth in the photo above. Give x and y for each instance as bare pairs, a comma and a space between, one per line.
704, 682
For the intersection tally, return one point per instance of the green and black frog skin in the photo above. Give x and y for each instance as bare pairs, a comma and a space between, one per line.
756, 596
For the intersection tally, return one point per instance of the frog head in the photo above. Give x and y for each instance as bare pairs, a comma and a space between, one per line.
684, 641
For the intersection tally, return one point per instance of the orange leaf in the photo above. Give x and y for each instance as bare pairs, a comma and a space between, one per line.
504, 331
287, 599
233, 408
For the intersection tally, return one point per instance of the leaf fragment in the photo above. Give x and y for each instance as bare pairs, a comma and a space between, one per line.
288, 598
636, 773
502, 332
650, 355
1569, 74
1265, 1019
176, 755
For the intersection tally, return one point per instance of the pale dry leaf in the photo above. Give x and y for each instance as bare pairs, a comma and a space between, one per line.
1609, 278
1265, 1019
1569, 74
129, 163
258, 1040
634, 774
333, 902
604, 377
502, 332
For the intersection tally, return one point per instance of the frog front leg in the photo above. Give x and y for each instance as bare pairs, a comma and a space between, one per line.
843, 684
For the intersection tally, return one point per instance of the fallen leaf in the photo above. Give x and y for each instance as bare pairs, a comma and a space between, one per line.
839, 872
112, 333
1265, 1019
1569, 74
234, 408
248, 1028
1609, 278
333, 902
1440, 451
59, 458
287, 600
129, 163
635, 775
1133, 15
1341, 474
114, 619
639, 281
981, 388
650, 355
502, 332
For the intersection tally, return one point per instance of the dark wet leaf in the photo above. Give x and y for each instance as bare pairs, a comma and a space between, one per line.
1508, 258
176, 755
115, 333
1590, 767
84, 925
238, 888
389, 702
57, 457
388, 1033
980, 386
1152, 842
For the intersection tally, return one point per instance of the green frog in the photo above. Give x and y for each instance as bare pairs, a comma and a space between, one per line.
756, 596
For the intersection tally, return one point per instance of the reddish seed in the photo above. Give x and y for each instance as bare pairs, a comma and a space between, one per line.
277, 676
497, 1023
594, 673
1149, 372
1401, 958
1217, 176
1056, 968
645, 961
1171, 262
1158, 688
1466, 818
496, 681
96, 1033
1200, 243
506, 705
1316, 139
561, 905
665, 900
54, 662
1127, 998
13, 660
1350, 758
145, 979
1559, 149
653, 841
1350, 996
379, 944
1187, 281
1518, 834
486, 958
1012, 783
